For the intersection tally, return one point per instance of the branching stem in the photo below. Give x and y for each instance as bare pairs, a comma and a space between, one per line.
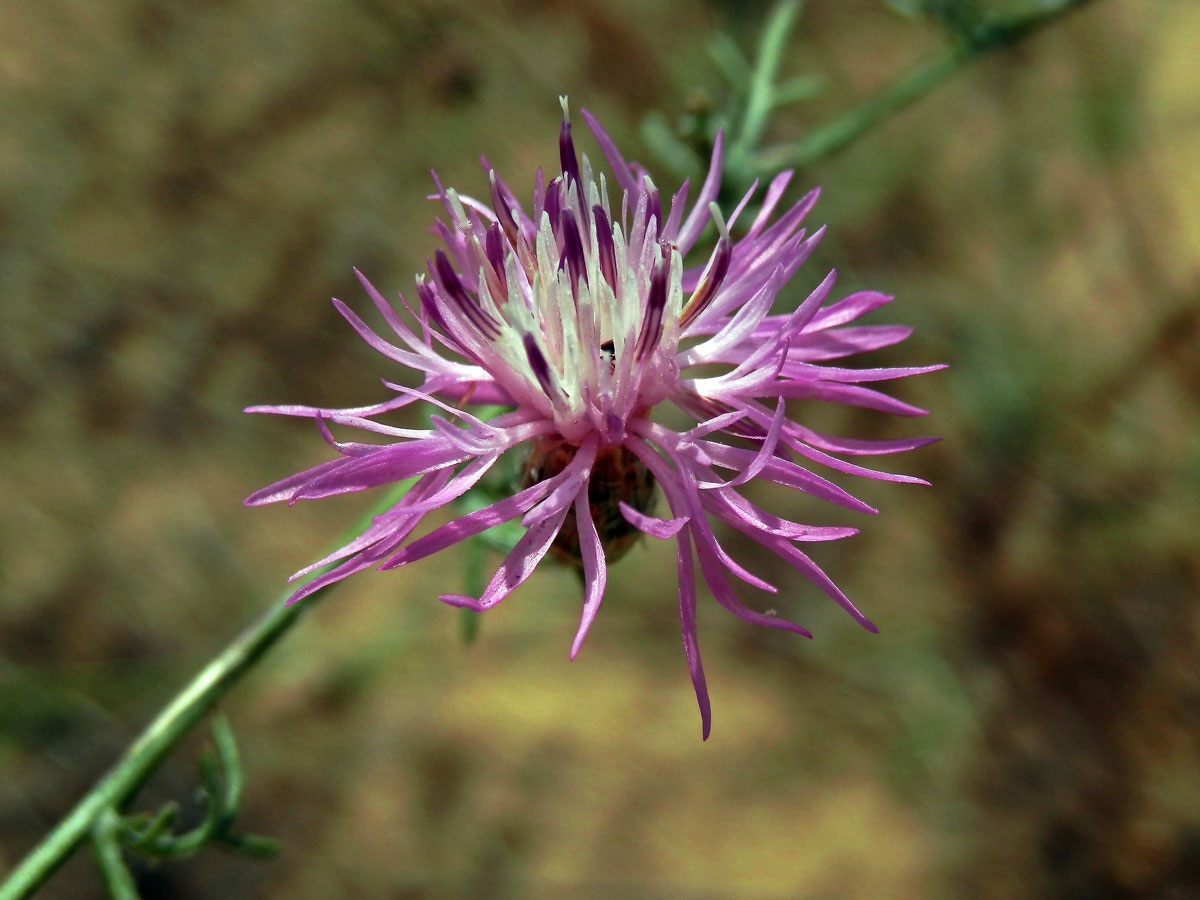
167, 729
990, 34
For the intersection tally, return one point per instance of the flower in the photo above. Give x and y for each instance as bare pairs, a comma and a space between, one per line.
581, 317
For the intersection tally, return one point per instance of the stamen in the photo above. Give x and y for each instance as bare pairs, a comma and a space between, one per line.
493, 247
572, 253
566, 148
604, 246
554, 202
713, 275
537, 362
656, 302
503, 209
429, 304
450, 284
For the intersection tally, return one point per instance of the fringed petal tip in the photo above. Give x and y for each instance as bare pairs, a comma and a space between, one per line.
278, 492
787, 625
700, 686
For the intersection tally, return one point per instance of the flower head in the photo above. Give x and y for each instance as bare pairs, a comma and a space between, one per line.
580, 316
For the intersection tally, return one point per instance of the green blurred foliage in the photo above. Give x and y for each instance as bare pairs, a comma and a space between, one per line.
182, 187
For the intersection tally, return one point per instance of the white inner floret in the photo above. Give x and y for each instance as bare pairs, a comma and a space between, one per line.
550, 350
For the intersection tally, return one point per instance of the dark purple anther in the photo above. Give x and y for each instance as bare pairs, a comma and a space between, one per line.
656, 302
451, 286
493, 246
572, 253
430, 308
448, 280
566, 154
710, 281
537, 362
654, 210
429, 304
503, 205
604, 247
554, 203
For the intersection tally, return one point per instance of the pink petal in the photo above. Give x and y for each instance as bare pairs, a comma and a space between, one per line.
839, 342
517, 566
591, 552
687, 622
693, 226
850, 308
832, 392
608, 147
651, 525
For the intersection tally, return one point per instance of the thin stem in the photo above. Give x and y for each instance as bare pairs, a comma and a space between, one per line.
993, 33
761, 99
107, 847
144, 755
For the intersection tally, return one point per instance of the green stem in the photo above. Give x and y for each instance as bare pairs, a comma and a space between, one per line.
761, 98
107, 847
993, 33
152, 746
144, 755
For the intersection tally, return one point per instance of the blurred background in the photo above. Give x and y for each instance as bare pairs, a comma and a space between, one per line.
184, 185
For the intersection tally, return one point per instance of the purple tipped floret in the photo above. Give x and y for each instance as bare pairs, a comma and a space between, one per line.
710, 282
656, 303
447, 279
572, 257
566, 155
604, 246
537, 362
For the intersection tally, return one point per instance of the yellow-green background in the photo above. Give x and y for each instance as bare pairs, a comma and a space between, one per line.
184, 185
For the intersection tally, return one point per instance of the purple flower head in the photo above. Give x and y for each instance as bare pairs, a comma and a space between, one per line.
580, 315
